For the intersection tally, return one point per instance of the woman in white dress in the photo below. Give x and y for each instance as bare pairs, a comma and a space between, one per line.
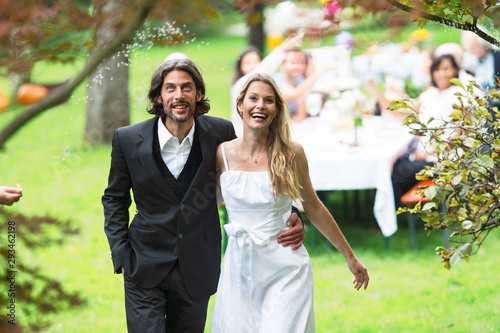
265, 287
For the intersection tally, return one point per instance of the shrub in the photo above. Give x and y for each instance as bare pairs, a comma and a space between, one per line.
466, 175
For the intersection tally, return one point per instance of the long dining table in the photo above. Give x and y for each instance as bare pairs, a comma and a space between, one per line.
344, 157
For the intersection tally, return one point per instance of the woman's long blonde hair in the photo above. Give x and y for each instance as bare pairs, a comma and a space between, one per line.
282, 163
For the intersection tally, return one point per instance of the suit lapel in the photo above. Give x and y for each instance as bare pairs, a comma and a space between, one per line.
208, 145
144, 148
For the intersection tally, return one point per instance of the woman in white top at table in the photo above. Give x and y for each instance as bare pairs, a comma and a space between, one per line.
250, 62
435, 103
265, 287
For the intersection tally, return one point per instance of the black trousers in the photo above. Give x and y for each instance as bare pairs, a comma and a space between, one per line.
164, 308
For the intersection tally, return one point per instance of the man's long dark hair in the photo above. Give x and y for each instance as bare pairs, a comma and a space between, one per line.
166, 67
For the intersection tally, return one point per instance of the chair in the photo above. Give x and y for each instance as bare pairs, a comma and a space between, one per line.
410, 199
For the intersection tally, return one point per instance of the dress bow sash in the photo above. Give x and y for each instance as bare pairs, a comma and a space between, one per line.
242, 260
260, 238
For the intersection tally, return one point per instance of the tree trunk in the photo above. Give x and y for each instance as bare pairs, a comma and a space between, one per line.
15, 82
256, 33
108, 98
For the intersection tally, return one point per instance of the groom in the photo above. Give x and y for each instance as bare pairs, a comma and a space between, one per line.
170, 254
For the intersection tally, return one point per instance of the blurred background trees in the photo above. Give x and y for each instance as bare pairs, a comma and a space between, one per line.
63, 30
104, 33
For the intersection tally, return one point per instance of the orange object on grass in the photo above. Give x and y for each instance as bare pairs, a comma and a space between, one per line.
30, 93
4, 102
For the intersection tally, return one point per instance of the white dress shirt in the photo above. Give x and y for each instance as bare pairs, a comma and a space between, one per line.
437, 105
173, 153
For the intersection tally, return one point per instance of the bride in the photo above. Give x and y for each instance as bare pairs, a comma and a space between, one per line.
265, 287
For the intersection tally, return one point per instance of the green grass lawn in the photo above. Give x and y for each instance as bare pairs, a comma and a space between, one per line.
61, 177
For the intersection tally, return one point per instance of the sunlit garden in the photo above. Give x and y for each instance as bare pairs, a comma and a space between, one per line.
64, 280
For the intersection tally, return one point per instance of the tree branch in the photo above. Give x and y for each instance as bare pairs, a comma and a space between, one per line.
431, 17
97, 56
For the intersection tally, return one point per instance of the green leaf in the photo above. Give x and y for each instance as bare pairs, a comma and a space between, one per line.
430, 192
212, 13
496, 144
431, 218
457, 82
466, 225
417, 133
421, 22
400, 104
423, 177
468, 142
409, 120
489, 116
454, 258
456, 180
440, 195
457, 115
485, 160
465, 249
429, 206
448, 163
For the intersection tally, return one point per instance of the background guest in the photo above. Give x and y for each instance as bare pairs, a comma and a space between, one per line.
294, 85
250, 62
488, 65
435, 103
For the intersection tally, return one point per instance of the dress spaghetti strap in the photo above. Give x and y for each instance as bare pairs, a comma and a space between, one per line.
224, 157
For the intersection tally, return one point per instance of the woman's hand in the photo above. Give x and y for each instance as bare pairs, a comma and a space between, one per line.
360, 273
290, 42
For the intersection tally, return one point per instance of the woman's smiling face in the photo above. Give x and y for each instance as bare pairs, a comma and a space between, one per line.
259, 105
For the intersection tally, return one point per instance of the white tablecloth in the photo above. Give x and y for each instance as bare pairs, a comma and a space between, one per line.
335, 165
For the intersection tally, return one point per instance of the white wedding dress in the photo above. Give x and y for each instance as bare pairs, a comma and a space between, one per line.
264, 287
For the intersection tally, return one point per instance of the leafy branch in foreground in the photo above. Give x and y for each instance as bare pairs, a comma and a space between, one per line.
479, 16
33, 291
466, 175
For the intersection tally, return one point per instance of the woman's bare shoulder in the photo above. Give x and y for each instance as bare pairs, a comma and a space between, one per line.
298, 149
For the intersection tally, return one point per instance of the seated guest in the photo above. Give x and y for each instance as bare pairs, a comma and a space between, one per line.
488, 62
294, 85
436, 103
458, 54
488, 59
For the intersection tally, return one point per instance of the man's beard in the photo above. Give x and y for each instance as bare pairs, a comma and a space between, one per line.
170, 114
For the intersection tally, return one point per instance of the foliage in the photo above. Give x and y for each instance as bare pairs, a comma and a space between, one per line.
469, 15
61, 30
30, 289
126, 21
50, 30
466, 174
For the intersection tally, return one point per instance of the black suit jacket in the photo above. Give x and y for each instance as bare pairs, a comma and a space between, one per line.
496, 61
165, 229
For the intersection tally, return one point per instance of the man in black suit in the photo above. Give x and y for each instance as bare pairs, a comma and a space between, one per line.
170, 254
